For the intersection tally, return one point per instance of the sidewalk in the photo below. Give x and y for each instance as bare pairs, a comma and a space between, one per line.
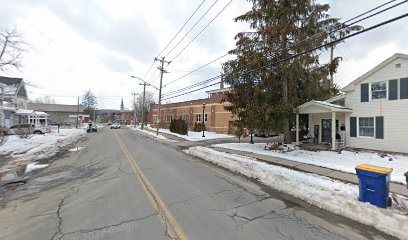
335, 174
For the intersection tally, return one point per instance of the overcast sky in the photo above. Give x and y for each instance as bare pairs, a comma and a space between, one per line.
75, 45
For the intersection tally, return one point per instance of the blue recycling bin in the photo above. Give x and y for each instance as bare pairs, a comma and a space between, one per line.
374, 184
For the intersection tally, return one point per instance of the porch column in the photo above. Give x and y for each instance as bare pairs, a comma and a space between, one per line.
333, 132
297, 127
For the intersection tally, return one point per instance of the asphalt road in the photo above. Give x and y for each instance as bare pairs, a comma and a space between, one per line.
122, 185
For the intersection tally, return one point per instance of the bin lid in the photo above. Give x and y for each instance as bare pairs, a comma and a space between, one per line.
372, 168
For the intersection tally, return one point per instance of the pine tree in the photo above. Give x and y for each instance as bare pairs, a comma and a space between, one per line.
264, 97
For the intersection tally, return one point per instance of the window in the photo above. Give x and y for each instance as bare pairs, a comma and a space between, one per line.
198, 117
366, 127
379, 90
205, 117
168, 118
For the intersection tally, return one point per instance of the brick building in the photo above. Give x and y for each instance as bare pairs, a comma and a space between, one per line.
216, 118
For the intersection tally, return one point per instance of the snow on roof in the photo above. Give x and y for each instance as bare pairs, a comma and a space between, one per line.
24, 111
330, 104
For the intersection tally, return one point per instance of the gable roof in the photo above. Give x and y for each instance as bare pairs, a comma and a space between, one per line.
13, 87
351, 85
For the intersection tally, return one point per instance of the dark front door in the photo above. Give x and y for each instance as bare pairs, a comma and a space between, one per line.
326, 129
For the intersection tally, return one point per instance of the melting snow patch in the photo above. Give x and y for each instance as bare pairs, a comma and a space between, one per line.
76, 149
33, 166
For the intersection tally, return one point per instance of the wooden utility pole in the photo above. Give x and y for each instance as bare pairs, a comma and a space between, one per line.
331, 71
77, 114
134, 109
143, 103
161, 68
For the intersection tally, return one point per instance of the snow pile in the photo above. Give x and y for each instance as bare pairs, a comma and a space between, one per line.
34, 166
197, 136
148, 133
39, 146
346, 161
334, 196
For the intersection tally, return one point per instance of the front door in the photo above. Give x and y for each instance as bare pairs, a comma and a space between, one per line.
326, 129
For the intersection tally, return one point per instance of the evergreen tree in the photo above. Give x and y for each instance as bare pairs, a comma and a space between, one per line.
88, 100
264, 97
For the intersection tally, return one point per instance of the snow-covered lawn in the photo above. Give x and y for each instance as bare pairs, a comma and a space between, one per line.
197, 136
39, 146
346, 161
335, 196
152, 134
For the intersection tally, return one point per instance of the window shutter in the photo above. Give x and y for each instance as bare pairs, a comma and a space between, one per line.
364, 92
353, 127
404, 88
393, 89
379, 127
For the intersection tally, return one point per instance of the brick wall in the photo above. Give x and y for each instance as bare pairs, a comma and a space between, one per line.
218, 119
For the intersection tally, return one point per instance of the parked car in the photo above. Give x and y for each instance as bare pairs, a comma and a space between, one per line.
28, 128
115, 126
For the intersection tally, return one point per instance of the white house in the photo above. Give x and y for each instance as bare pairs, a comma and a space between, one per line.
13, 109
372, 112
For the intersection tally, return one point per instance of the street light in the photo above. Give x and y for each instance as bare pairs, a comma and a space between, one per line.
203, 126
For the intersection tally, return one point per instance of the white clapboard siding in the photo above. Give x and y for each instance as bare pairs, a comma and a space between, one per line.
395, 112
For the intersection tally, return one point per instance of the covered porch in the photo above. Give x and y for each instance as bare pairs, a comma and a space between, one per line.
30, 116
327, 123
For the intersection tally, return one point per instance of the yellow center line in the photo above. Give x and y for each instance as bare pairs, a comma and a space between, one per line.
169, 223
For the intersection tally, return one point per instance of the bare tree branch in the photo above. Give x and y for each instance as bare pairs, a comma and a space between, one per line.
12, 47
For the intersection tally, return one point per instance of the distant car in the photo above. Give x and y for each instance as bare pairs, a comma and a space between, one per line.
94, 128
115, 126
28, 128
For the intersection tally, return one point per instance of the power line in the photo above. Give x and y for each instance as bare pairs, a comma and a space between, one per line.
195, 70
304, 52
202, 30
192, 86
182, 27
195, 90
342, 26
199, 20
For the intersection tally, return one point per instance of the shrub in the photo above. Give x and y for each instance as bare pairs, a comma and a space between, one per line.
199, 127
178, 126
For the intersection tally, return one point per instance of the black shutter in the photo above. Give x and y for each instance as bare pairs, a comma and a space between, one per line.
379, 127
353, 127
364, 92
393, 89
404, 88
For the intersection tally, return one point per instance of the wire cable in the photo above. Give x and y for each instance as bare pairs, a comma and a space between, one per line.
197, 69
342, 26
199, 20
182, 27
304, 52
202, 30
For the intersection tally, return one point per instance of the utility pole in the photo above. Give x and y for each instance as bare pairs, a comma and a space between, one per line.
331, 71
77, 114
143, 102
134, 109
162, 61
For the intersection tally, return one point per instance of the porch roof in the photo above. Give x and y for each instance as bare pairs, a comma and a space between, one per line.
27, 112
315, 106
